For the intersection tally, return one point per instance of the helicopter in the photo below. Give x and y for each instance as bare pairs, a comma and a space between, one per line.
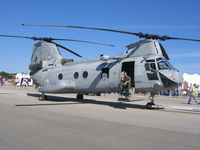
54, 74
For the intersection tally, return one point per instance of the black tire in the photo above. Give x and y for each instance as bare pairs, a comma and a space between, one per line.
98, 94
79, 96
43, 97
149, 105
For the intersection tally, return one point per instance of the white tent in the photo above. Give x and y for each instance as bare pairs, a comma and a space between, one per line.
191, 78
19, 77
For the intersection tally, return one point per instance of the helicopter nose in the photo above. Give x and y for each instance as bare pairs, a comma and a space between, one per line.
177, 77
171, 79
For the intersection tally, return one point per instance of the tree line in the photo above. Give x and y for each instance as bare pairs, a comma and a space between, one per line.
7, 75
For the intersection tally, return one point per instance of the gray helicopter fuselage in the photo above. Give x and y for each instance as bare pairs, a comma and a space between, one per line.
104, 75
98, 76
80, 77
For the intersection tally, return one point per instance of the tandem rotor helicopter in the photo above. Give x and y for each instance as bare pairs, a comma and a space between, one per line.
54, 74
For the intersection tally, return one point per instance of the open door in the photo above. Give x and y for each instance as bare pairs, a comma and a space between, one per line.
129, 67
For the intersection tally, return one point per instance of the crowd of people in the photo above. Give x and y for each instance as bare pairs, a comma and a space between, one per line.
18, 82
2, 81
193, 92
22, 82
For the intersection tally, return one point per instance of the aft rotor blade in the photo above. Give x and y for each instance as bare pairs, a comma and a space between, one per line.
28, 37
50, 39
66, 49
16, 36
139, 34
83, 42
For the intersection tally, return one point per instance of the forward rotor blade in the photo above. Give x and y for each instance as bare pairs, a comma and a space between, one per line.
139, 34
66, 49
174, 38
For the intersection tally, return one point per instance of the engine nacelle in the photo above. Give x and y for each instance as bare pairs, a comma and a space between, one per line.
104, 57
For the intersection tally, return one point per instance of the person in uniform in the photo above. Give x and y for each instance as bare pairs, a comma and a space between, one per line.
125, 83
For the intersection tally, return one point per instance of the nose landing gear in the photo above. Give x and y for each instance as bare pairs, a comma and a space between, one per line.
151, 104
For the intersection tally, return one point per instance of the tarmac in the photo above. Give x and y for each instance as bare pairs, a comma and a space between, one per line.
163, 103
97, 122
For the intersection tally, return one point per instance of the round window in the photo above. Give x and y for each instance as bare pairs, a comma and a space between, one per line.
60, 76
85, 74
76, 75
104, 75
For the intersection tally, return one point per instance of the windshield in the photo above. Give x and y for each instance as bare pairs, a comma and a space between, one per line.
171, 66
162, 65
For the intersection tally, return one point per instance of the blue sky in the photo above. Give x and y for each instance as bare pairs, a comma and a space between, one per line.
176, 18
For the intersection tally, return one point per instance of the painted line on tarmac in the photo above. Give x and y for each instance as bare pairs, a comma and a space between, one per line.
182, 109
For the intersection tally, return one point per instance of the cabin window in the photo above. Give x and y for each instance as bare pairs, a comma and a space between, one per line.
76, 75
152, 76
85, 74
60, 76
147, 67
153, 67
105, 73
150, 60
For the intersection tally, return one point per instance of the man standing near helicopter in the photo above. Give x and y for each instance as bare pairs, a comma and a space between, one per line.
125, 83
193, 93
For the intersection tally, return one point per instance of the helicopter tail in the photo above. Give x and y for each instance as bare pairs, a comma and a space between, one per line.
44, 55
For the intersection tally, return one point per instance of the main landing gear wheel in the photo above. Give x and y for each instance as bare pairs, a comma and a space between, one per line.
79, 96
43, 97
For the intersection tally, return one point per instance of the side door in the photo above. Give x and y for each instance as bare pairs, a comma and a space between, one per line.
129, 68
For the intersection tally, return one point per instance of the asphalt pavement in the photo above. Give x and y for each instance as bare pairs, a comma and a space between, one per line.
95, 123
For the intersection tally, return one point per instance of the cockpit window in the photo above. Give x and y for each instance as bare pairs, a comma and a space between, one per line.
158, 59
167, 65
147, 67
162, 65
172, 66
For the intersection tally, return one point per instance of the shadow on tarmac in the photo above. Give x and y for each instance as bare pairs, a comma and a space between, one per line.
119, 104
